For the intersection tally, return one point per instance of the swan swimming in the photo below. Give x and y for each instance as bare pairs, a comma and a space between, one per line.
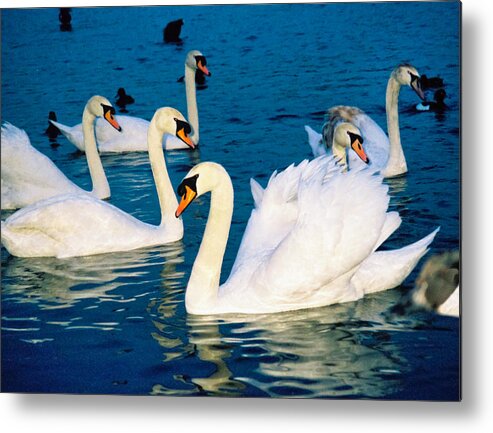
345, 135
385, 153
80, 225
310, 241
134, 129
29, 176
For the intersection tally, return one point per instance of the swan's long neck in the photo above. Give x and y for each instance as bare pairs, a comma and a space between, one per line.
396, 163
167, 198
203, 285
340, 153
100, 186
192, 111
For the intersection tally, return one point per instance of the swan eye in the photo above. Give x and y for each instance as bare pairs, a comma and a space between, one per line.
180, 124
354, 137
413, 77
201, 59
190, 182
108, 108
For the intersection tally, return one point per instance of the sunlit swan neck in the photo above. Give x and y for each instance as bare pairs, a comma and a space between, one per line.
397, 162
339, 151
101, 188
202, 289
192, 111
166, 195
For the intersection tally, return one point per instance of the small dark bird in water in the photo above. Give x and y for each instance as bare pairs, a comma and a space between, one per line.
431, 82
199, 78
123, 99
437, 104
171, 32
52, 131
65, 19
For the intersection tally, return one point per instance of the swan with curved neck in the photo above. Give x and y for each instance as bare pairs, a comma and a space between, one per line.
342, 137
74, 225
310, 241
385, 153
134, 129
29, 176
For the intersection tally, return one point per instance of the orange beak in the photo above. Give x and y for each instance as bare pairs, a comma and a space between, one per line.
203, 68
358, 148
182, 135
112, 121
186, 199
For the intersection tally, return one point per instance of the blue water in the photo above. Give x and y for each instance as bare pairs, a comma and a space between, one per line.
116, 323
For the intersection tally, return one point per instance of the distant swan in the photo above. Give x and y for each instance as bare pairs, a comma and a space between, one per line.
437, 286
343, 136
29, 176
80, 225
385, 153
134, 129
310, 241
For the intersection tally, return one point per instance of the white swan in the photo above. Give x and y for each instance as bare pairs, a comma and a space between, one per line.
81, 225
29, 176
437, 286
310, 241
134, 129
385, 153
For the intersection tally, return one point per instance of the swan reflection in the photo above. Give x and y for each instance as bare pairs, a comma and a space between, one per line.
344, 350
53, 283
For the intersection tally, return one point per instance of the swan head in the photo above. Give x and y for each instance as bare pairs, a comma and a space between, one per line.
196, 60
202, 178
346, 136
99, 106
408, 75
168, 120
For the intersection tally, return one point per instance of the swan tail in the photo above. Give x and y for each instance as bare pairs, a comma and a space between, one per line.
314, 140
385, 270
392, 223
257, 192
70, 134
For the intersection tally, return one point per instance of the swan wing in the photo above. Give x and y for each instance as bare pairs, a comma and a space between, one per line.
274, 215
384, 270
334, 223
277, 207
315, 142
339, 222
72, 225
27, 174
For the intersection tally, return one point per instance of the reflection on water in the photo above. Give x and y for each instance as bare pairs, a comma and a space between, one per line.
51, 283
339, 351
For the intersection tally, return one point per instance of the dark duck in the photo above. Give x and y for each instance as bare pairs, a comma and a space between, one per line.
438, 103
123, 99
52, 131
171, 32
65, 19
430, 82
